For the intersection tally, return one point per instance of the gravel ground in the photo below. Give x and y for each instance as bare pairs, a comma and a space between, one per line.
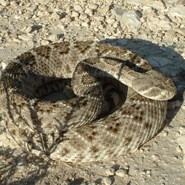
153, 29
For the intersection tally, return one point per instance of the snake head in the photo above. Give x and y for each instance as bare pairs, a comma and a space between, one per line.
154, 85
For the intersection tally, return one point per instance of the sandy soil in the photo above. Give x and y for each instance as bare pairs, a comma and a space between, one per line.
153, 29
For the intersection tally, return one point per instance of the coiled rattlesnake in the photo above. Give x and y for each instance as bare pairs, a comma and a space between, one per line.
84, 126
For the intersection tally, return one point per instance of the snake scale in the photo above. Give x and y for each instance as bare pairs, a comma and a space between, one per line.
82, 101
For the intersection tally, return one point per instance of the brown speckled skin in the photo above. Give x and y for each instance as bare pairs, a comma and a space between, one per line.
72, 129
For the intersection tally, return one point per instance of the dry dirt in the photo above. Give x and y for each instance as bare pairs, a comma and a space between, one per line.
153, 29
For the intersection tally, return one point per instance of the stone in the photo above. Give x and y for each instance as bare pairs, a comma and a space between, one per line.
164, 133
42, 1
3, 65
107, 181
93, 6
78, 8
177, 11
25, 37
83, 17
75, 14
148, 172
181, 31
133, 171
55, 16
164, 25
134, 2
121, 172
110, 21
85, 24
159, 5
169, 35
4, 2
152, 23
42, 7
27, 29
155, 157
53, 37
104, 10
181, 142
127, 18
88, 11
36, 152
44, 42
110, 171
148, 9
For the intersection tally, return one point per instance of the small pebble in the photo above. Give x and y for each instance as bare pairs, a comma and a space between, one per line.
4, 2
44, 42
36, 152
83, 17
164, 133
3, 65
110, 21
100, 27
110, 171
133, 171
53, 37
104, 9
85, 24
27, 29
78, 8
115, 25
42, 7
155, 157
107, 181
25, 37
148, 172
177, 133
179, 149
176, 157
181, 142
122, 172
41, 1
94, 6
75, 14
89, 12
55, 16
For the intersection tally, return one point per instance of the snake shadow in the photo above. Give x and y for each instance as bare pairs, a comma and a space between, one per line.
162, 58
23, 161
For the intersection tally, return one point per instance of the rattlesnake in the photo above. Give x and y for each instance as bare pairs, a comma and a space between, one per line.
84, 126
